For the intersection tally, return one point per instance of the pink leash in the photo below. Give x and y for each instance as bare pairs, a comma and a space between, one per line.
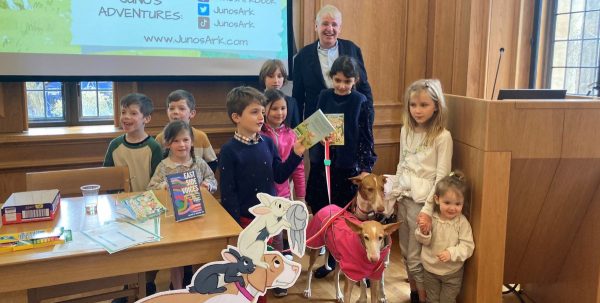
327, 162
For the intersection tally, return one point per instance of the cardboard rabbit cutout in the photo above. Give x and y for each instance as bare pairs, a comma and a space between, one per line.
247, 271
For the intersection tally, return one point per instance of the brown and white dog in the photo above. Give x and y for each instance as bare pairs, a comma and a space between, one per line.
359, 248
281, 273
368, 204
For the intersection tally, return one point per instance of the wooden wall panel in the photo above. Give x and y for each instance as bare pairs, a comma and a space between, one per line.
387, 158
581, 140
523, 35
12, 107
467, 120
487, 176
530, 182
444, 43
460, 64
582, 262
416, 32
569, 196
477, 50
501, 36
525, 130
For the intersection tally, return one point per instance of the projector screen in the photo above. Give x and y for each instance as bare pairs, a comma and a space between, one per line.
141, 38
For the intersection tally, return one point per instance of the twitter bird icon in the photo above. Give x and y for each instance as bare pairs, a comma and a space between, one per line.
203, 9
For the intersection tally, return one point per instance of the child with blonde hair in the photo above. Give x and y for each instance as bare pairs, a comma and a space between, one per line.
449, 243
425, 158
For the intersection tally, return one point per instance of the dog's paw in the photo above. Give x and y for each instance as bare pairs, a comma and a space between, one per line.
307, 293
340, 298
382, 300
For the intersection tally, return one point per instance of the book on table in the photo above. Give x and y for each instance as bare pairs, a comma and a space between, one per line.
141, 207
314, 128
185, 195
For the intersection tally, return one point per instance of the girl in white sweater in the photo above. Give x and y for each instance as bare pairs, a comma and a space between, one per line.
425, 158
448, 244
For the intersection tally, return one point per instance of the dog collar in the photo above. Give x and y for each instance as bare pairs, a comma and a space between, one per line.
244, 291
362, 211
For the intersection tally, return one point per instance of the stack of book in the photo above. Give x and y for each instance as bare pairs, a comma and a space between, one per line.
141, 207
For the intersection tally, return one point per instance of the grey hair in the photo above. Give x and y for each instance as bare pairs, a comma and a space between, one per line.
328, 10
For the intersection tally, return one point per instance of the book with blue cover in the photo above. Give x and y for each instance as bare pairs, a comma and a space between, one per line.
185, 194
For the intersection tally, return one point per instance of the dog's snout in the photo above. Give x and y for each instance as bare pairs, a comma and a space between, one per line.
374, 258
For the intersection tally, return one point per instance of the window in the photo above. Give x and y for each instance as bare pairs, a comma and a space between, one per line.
69, 103
575, 47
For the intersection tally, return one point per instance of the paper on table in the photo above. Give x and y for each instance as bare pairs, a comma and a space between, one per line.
117, 236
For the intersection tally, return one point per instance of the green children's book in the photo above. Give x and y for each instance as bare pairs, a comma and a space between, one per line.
314, 128
142, 207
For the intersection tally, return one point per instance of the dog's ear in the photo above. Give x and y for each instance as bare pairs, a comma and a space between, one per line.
353, 226
258, 279
390, 228
356, 180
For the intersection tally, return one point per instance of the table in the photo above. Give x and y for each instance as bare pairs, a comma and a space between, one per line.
195, 241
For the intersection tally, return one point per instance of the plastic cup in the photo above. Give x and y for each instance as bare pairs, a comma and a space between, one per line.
90, 194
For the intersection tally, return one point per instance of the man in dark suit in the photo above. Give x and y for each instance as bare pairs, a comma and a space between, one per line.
313, 62
311, 73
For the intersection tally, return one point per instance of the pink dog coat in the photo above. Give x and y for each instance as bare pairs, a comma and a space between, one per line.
343, 244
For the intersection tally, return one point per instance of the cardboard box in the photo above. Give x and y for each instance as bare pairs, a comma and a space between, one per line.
31, 206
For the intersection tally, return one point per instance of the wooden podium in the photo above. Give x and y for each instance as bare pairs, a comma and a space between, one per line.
534, 171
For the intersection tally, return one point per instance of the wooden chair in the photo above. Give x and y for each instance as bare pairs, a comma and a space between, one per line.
69, 181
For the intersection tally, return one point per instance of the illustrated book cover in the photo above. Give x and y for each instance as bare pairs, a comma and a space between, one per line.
314, 128
337, 120
186, 196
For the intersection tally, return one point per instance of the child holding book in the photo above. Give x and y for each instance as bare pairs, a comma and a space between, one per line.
181, 105
180, 157
284, 138
449, 243
273, 75
355, 157
250, 163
